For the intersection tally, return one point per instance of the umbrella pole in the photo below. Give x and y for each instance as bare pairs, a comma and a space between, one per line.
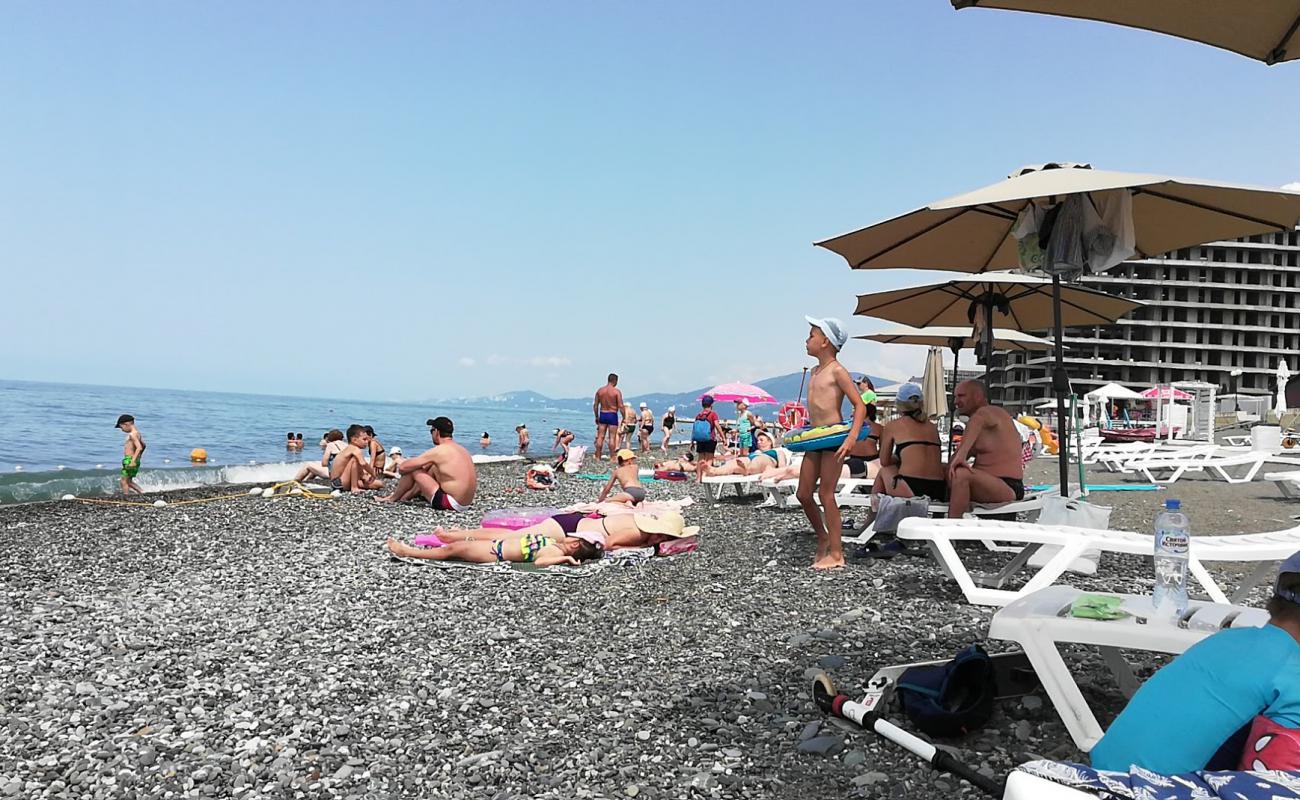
955, 344
1059, 384
799, 399
987, 337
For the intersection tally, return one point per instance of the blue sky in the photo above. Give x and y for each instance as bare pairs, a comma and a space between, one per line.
411, 200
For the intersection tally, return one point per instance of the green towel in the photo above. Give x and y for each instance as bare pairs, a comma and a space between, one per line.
1098, 606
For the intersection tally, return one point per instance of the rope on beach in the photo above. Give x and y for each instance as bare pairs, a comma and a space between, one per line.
286, 489
151, 505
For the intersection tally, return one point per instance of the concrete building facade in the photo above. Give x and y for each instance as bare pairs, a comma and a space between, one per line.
1211, 310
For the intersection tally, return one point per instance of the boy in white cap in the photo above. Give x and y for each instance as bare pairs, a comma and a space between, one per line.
828, 386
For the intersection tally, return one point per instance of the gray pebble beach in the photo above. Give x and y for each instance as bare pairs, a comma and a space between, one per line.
269, 648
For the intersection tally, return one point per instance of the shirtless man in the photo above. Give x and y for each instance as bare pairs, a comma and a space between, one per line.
444, 474
351, 471
132, 449
606, 407
997, 476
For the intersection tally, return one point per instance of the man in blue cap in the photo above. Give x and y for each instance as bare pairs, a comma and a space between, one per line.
1194, 712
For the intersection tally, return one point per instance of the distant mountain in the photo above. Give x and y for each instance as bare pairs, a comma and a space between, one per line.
782, 387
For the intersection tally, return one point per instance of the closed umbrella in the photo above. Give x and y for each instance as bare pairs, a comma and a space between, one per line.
1265, 30
1145, 215
1283, 376
956, 338
934, 397
744, 392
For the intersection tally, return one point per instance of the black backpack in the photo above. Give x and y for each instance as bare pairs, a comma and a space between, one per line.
950, 699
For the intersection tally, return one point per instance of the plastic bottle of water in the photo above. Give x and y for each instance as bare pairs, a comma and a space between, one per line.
1173, 534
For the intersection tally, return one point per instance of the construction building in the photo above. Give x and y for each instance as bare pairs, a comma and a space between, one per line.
1211, 311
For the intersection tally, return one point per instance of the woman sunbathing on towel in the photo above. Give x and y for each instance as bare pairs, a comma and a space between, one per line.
517, 546
684, 464
619, 530
763, 460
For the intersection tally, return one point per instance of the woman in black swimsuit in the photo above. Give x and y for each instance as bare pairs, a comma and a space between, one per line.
911, 457
668, 422
863, 460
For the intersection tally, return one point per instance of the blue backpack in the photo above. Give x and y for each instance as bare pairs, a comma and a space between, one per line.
702, 430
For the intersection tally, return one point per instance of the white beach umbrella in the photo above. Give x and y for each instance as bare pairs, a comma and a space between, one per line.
1045, 215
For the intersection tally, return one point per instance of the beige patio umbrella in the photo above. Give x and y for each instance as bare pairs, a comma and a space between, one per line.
934, 395
1265, 30
973, 232
956, 338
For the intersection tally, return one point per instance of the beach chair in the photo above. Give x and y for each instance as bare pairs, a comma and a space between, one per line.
1032, 502
1039, 622
1288, 483
1113, 457
716, 484
1262, 549
1238, 441
1203, 460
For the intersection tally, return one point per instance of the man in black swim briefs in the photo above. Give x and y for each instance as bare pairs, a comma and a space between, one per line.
992, 440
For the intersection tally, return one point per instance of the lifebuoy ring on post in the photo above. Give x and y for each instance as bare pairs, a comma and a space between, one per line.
791, 416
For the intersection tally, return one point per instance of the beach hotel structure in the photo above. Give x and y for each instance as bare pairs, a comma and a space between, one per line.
1211, 310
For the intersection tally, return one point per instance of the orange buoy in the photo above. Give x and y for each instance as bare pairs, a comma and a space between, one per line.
198, 455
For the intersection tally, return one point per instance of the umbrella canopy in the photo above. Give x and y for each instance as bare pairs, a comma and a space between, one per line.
934, 396
1265, 30
1113, 391
963, 337
972, 232
1022, 302
1165, 393
732, 392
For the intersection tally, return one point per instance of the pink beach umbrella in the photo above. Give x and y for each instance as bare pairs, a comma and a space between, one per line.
1165, 393
732, 392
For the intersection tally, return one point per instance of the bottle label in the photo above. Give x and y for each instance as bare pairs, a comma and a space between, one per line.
1174, 542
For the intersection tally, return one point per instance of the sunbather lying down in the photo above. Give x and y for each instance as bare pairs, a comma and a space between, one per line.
766, 459
565, 538
686, 464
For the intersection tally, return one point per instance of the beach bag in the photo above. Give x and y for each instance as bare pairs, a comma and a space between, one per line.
950, 699
702, 430
894, 510
1078, 513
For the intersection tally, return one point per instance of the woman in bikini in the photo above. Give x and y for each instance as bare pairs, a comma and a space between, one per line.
564, 533
864, 459
377, 460
333, 445
911, 456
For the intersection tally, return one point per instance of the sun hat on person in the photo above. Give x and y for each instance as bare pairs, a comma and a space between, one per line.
1292, 564
626, 455
643, 405
832, 328
669, 523
908, 392
122, 420
396, 451
672, 408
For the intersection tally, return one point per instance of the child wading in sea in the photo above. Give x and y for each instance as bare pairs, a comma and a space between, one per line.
132, 450
829, 385
627, 474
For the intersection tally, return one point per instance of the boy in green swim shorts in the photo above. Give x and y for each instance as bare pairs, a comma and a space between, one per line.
132, 450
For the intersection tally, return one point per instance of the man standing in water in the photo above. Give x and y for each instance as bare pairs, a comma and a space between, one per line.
444, 474
132, 450
997, 476
606, 407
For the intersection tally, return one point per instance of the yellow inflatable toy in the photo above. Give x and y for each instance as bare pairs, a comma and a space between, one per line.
198, 455
1044, 433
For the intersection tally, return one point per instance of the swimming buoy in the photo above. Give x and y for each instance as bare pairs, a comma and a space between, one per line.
791, 416
824, 437
198, 455
512, 519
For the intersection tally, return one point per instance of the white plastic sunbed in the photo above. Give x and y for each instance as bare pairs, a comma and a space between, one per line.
1214, 465
1032, 502
715, 484
1288, 483
1263, 549
1041, 621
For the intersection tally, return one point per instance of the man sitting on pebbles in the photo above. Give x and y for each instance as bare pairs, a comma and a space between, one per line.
444, 474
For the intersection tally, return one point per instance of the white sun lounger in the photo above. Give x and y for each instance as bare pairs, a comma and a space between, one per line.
1288, 483
1215, 465
716, 484
1263, 549
1033, 501
1041, 621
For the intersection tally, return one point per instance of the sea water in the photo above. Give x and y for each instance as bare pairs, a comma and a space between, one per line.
59, 438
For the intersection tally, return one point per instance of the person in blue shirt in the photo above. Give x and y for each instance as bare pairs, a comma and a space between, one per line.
1203, 700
